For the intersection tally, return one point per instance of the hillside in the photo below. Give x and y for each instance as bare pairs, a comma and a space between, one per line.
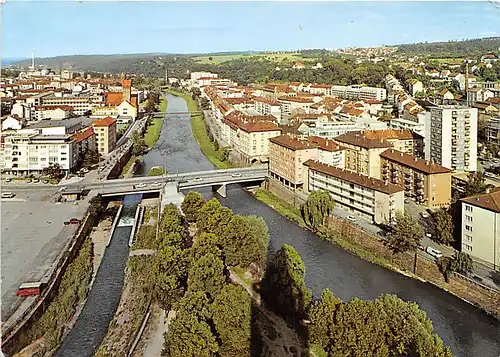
452, 49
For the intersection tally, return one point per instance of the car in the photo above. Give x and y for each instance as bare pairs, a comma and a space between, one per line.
72, 221
8, 194
434, 252
140, 185
8, 180
424, 214
28, 181
351, 218
36, 180
421, 247
156, 184
428, 235
236, 174
407, 200
45, 181
198, 179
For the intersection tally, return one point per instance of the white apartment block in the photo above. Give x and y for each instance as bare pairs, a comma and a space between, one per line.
80, 105
451, 137
480, 233
367, 197
32, 150
358, 92
328, 130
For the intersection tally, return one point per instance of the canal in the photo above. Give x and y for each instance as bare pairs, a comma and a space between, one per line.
90, 328
468, 331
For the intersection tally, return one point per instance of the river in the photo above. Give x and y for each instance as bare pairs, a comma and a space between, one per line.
468, 330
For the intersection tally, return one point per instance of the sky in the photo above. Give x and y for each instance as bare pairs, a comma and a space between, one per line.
55, 28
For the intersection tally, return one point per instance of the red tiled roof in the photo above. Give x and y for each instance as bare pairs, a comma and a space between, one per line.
413, 162
291, 143
108, 121
83, 135
489, 201
126, 83
324, 144
352, 177
266, 100
114, 98
259, 127
295, 99
357, 138
389, 134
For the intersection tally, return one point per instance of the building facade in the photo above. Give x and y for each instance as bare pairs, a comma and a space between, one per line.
427, 183
451, 138
480, 231
368, 197
286, 156
105, 131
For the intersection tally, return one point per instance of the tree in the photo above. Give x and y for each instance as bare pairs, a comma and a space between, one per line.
406, 234
90, 158
463, 263
444, 226
210, 58
232, 316
475, 184
387, 326
156, 171
171, 221
213, 217
207, 243
192, 204
284, 287
207, 274
96, 205
319, 205
170, 274
139, 144
53, 171
189, 337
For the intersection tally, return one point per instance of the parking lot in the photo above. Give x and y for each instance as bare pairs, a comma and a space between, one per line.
33, 234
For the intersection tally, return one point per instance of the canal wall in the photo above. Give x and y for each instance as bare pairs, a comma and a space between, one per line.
13, 331
296, 198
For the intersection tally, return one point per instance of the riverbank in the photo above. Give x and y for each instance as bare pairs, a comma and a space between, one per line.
200, 132
371, 248
153, 131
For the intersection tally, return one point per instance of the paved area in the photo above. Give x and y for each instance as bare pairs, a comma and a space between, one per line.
32, 235
155, 346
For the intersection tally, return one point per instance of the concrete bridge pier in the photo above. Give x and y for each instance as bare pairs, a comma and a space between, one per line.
171, 194
220, 189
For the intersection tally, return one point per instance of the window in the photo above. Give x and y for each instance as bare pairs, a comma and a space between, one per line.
468, 218
468, 238
468, 208
468, 247
468, 228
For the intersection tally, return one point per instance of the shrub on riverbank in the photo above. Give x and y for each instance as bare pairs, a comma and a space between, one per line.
153, 132
200, 134
156, 171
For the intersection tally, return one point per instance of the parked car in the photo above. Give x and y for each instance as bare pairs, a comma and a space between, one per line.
424, 214
45, 181
407, 200
72, 221
36, 180
198, 179
28, 181
351, 218
428, 235
236, 174
434, 252
421, 247
156, 184
8, 180
8, 194
140, 185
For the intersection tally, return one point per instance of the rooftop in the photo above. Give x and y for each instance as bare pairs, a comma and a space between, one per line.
108, 121
489, 201
357, 138
291, 143
352, 177
413, 162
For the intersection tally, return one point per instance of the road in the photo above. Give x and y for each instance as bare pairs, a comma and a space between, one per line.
489, 277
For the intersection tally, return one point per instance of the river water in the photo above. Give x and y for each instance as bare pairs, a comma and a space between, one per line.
468, 331
91, 326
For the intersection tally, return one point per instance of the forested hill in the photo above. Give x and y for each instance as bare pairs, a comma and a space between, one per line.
465, 48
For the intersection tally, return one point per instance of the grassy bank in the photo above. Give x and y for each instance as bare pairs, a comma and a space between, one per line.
72, 291
371, 248
153, 132
200, 132
127, 166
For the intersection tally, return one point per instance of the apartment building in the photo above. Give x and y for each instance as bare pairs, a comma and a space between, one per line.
359, 92
105, 131
267, 106
362, 154
53, 112
493, 131
478, 95
251, 140
370, 198
32, 150
81, 104
403, 140
328, 130
329, 152
426, 182
451, 137
291, 105
480, 231
286, 156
